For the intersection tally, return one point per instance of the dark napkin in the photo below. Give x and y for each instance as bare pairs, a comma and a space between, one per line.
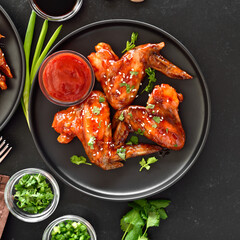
3, 208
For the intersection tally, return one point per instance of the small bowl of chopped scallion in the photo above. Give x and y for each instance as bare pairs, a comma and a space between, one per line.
69, 227
32, 195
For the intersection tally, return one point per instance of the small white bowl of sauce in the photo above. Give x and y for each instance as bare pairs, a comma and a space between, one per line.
55, 10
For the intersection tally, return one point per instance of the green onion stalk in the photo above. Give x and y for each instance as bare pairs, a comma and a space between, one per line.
38, 57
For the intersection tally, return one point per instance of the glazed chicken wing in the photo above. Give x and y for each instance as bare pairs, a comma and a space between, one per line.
159, 121
121, 78
90, 122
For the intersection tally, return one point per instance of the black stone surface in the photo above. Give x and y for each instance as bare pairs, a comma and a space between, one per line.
206, 201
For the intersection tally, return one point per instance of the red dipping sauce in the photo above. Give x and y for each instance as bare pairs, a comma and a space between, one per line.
66, 78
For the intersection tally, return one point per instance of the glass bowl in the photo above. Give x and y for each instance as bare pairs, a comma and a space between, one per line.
58, 69
49, 228
11, 203
60, 18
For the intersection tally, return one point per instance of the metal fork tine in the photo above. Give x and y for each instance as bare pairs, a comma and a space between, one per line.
2, 144
5, 154
4, 149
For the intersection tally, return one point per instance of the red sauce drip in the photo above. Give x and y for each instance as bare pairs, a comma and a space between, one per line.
67, 77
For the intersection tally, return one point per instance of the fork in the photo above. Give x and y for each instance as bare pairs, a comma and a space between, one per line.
4, 149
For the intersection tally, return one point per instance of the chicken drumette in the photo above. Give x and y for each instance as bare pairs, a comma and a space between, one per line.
121, 78
90, 122
159, 121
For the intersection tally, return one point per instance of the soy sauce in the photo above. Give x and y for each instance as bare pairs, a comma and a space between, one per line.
55, 7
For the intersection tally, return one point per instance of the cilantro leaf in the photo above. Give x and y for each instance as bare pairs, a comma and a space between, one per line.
101, 99
150, 106
130, 114
91, 142
160, 203
79, 160
121, 152
140, 132
128, 87
157, 119
153, 219
121, 117
96, 110
133, 73
152, 79
133, 140
166, 130
154, 125
145, 164
163, 214
131, 45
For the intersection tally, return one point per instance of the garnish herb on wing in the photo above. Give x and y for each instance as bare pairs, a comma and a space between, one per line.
101, 99
121, 117
140, 132
152, 79
79, 160
121, 152
150, 106
145, 164
131, 45
38, 57
33, 193
128, 87
96, 110
70, 230
133, 140
91, 142
144, 214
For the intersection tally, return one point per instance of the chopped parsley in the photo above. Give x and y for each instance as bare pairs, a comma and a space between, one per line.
133, 140
109, 125
101, 99
121, 152
144, 214
175, 145
152, 79
121, 117
140, 132
166, 130
150, 106
145, 164
128, 87
33, 193
133, 73
96, 110
91, 142
157, 119
131, 45
79, 160
99, 125
154, 125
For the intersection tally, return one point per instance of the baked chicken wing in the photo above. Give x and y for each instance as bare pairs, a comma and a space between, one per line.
159, 121
121, 78
90, 122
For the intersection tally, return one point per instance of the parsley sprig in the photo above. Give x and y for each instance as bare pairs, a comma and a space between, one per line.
79, 160
33, 193
144, 214
131, 45
152, 79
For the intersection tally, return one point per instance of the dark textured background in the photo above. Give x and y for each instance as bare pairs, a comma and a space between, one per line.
206, 201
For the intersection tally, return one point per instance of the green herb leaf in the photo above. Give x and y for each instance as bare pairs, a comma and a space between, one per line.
166, 130
79, 160
145, 164
160, 203
131, 45
175, 145
96, 110
121, 117
121, 152
140, 132
99, 124
152, 79
133, 140
128, 87
154, 125
157, 119
153, 219
133, 73
150, 106
101, 99
91, 142
109, 125
130, 114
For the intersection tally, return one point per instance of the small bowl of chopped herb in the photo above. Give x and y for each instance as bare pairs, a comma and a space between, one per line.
69, 227
32, 195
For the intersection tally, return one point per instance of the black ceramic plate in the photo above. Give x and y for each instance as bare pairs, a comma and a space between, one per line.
13, 50
125, 183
